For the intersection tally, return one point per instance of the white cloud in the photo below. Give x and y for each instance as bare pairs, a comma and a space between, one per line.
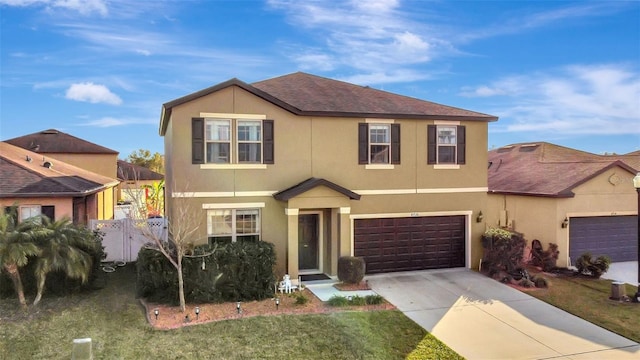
596, 99
92, 93
84, 7
108, 121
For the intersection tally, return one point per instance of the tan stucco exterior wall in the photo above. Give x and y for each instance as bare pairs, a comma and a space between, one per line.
103, 164
326, 148
541, 217
63, 206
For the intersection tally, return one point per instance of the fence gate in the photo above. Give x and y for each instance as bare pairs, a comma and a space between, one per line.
124, 238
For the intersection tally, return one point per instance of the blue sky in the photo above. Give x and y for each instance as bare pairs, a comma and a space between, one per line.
556, 71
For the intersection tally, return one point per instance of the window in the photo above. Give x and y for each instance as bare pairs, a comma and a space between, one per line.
378, 143
231, 141
446, 144
231, 225
218, 138
29, 211
249, 142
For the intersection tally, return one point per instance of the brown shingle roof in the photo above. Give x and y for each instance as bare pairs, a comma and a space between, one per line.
309, 95
54, 141
129, 171
24, 174
544, 169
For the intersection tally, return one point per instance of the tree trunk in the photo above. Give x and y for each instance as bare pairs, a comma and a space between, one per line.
13, 272
181, 284
41, 281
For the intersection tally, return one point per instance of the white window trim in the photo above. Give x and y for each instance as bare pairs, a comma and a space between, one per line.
234, 230
233, 161
230, 142
454, 146
233, 116
379, 167
446, 166
22, 208
238, 142
213, 206
212, 166
388, 144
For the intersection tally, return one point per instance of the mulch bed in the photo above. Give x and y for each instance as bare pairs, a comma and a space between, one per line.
363, 285
170, 317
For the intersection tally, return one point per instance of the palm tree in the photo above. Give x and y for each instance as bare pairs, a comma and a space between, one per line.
16, 245
63, 248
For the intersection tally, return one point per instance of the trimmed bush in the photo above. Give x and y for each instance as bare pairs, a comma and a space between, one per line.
351, 269
358, 300
240, 271
374, 299
503, 252
300, 299
338, 301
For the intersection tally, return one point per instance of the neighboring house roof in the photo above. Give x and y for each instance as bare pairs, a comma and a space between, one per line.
311, 183
544, 169
129, 171
28, 174
310, 95
54, 141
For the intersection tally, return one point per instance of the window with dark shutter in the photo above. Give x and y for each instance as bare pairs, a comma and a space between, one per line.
446, 144
197, 141
363, 143
395, 143
268, 141
49, 211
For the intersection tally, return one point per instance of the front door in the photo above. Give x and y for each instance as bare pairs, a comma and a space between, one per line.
308, 241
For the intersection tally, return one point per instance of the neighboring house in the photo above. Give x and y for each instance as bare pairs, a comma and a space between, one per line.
323, 168
58, 145
577, 200
140, 184
42, 185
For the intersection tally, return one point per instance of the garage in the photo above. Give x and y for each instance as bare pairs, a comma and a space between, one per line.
410, 243
614, 236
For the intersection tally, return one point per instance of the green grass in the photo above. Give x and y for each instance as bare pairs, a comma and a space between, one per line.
589, 299
115, 321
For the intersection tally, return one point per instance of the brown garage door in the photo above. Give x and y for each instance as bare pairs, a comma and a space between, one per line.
614, 236
413, 243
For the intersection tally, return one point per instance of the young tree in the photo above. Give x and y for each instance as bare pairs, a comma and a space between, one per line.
63, 247
16, 245
144, 158
182, 226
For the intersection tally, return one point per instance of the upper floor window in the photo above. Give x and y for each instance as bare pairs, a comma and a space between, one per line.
446, 144
231, 225
232, 141
378, 143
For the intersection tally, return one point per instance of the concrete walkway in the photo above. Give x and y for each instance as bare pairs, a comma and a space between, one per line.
481, 318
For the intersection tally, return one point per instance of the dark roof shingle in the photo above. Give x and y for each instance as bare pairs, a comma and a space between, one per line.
54, 141
129, 171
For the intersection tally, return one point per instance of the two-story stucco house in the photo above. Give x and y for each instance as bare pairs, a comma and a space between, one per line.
323, 168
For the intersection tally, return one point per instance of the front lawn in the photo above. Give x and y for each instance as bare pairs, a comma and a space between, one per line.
115, 321
589, 299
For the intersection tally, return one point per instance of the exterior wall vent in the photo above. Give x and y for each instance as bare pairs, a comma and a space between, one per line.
48, 164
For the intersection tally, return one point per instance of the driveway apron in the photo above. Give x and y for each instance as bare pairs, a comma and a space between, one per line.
481, 318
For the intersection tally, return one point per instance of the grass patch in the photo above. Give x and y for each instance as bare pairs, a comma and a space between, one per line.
589, 300
115, 321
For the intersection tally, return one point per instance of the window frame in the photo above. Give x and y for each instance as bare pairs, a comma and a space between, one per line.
238, 142
234, 235
433, 145
440, 145
208, 141
30, 208
387, 135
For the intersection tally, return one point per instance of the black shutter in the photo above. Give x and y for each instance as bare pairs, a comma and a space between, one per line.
363, 143
267, 144
49, 211
197, 141
432, 145
395, 143
461, 140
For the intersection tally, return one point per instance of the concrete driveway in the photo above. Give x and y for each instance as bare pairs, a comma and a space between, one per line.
481, 318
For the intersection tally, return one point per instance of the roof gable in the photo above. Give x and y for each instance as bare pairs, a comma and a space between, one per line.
311, 183
544, 169
129, 171
55, 141
309, 95
28, 174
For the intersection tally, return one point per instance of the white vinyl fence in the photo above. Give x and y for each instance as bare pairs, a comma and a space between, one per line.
124, 238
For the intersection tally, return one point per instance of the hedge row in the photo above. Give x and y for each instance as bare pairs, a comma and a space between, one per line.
240, 271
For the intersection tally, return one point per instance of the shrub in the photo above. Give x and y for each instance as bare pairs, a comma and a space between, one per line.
503, 251
546, 259
351, 269
588, 266
241, 271
358, 300
337, 301
374, 299
300, 299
